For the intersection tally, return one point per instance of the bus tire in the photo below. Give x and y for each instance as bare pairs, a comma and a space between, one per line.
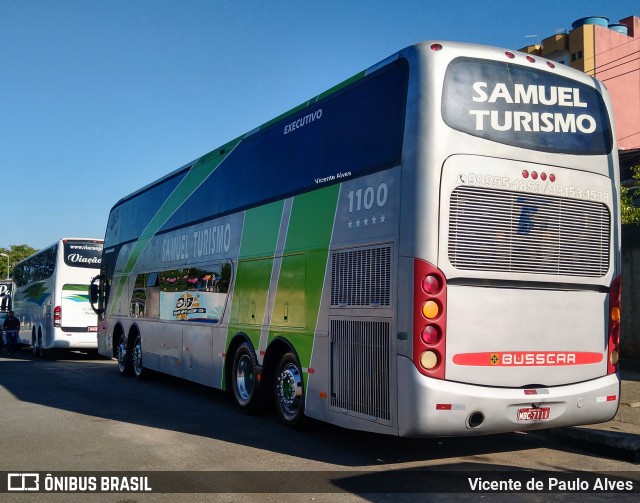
136, 360
42, 353
125, 363
34, 345
289, 391
244, 379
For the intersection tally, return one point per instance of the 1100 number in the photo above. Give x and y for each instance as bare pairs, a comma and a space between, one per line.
365, 198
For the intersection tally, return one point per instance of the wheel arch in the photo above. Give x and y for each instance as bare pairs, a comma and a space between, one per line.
118, 331
236, 341
275, 351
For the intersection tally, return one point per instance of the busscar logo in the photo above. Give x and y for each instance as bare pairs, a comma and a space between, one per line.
23, 482
528, 358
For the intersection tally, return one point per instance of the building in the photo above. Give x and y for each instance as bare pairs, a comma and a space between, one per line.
609, 52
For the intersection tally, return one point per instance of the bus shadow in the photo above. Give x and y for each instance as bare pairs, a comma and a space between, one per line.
84, 384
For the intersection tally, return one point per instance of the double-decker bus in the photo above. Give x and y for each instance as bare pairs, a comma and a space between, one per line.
51, 296
430, 248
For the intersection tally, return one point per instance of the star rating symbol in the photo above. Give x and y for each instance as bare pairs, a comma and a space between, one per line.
367, 221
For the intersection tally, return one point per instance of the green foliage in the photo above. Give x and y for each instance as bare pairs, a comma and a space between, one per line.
16, 254
629, 197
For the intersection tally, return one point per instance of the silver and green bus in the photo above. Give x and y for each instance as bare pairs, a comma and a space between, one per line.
431, 247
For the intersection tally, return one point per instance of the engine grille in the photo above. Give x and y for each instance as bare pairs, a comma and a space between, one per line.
360, 353
361, 277
497, 230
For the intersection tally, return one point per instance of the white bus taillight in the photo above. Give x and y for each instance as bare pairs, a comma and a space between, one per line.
429, 319
614, 326
57, 316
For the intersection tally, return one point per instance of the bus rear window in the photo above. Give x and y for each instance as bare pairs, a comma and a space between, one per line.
82, 254
525, 107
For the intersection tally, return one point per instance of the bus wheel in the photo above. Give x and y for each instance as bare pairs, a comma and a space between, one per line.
41, 351
244, 379
34, 345
136, 358
125, 364
289, 391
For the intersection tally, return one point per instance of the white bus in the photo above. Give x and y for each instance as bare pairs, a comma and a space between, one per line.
51, 297
430, 248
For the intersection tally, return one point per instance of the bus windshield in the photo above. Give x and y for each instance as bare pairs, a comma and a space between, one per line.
82, 254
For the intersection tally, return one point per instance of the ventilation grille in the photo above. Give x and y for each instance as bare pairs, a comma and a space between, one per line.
360, 367
496, 230
361, 277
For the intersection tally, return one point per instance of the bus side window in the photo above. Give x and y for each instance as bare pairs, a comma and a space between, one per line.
139, 297
153, 296
194, 293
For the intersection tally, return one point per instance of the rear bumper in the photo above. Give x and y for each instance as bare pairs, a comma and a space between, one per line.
432, 407
88, 340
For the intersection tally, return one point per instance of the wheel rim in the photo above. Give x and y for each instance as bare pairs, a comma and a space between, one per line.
289, 388
122, 355
245, 378
137, 357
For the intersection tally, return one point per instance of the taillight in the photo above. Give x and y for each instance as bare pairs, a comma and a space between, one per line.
429, 319
57, 316
614, 326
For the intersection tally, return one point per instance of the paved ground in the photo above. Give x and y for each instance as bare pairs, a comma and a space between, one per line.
621, 436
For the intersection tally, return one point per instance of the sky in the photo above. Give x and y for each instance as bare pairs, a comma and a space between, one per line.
99, 98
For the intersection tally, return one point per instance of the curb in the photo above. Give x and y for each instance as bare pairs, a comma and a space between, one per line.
616, 444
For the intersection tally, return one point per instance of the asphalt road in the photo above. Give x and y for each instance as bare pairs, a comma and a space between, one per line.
77, 415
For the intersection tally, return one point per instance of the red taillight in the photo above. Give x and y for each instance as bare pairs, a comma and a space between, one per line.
431, 284
57, 316
429, 319
614, 326
436, 47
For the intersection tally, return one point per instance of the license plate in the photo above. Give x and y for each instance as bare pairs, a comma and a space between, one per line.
530, 414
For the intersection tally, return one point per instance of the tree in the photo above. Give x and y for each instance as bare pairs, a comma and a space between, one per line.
630, 199
16, 254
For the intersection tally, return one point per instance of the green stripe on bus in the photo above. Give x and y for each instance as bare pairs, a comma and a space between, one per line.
260, 230
187, 186
310, 229
81, 288
253, 275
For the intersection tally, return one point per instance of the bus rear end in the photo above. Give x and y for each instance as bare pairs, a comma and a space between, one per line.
75, 324
515, 267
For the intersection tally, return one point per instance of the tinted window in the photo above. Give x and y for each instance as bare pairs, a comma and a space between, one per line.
129, 218
38, 267
355, 131
525, 107
190, 294
352, 132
